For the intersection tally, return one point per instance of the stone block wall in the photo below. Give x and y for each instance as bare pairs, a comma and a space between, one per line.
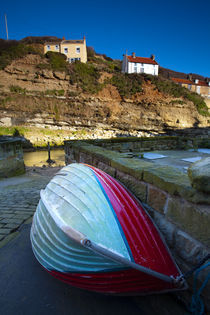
181, 212
133, 144
11, 157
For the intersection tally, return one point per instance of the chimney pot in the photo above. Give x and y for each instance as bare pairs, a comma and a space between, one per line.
134, 55
152, 57
64, 38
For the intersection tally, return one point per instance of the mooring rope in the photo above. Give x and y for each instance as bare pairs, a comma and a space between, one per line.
197, 305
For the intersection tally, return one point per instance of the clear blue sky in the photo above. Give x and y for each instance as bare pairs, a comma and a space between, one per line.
177, 32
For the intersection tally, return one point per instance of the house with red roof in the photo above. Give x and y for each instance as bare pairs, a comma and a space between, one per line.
198, 86
134, 64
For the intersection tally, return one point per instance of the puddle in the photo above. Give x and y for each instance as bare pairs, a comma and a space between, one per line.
193, 159
153, 156
39, 158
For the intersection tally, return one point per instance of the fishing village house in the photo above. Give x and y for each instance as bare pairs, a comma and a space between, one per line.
198, 86
134, 64
73, 49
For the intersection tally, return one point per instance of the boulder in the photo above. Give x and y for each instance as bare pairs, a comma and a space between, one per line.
199, 174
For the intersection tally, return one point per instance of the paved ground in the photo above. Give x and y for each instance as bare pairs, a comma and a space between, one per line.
28, 289
19, 197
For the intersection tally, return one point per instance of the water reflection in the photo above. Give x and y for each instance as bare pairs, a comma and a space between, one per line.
39, 158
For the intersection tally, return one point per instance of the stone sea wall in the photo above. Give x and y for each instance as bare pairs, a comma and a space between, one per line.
181, 212
11, 157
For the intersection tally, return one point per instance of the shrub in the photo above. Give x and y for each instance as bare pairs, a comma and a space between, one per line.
85, 76
127, 84
57, 61
12, 50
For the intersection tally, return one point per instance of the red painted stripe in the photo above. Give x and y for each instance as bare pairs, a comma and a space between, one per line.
142, 236
128, 281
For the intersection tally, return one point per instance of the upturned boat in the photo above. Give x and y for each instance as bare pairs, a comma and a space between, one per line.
91, 232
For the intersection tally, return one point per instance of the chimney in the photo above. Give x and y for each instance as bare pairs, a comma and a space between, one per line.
190, 76
133, 54
196, 81
152, 57
84, 38
63, 38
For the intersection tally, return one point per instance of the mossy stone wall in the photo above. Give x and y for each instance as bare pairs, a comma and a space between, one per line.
11, 158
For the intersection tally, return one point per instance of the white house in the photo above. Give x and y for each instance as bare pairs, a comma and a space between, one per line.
134, 64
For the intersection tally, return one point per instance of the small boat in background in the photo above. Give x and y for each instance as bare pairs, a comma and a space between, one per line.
91, 232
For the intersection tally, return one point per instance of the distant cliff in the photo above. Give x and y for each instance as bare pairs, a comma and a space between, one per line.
45, 91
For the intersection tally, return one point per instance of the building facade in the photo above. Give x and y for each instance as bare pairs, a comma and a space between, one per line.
73, 49
198, 86
134, 64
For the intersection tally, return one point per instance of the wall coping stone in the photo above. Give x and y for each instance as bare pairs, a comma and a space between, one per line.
167, 178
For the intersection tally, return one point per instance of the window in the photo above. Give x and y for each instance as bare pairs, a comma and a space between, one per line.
65, 50
189, 86
78, 50
135, 69
48, 47
141, 70
56, 47
73, 59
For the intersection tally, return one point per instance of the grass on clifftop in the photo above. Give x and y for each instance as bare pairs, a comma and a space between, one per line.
11, 50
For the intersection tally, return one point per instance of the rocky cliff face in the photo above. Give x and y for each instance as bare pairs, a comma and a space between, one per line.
43, 98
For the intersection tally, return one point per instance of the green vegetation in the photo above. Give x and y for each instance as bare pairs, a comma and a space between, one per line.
17, 89
127, 84
85, 76
56, 111
54, 92
12, 50
175, 90
5, 100
57, 61
199, 103
177, 102
102, 62
13, 131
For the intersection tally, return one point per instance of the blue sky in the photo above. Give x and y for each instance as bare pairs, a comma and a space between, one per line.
176, 32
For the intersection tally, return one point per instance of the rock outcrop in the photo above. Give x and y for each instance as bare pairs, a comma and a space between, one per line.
199, 174
37, 102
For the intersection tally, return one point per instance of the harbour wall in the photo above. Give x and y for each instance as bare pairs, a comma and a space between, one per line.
180, 211
11, 157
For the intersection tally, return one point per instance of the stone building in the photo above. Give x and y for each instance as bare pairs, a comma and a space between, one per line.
73, 49
198, 86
